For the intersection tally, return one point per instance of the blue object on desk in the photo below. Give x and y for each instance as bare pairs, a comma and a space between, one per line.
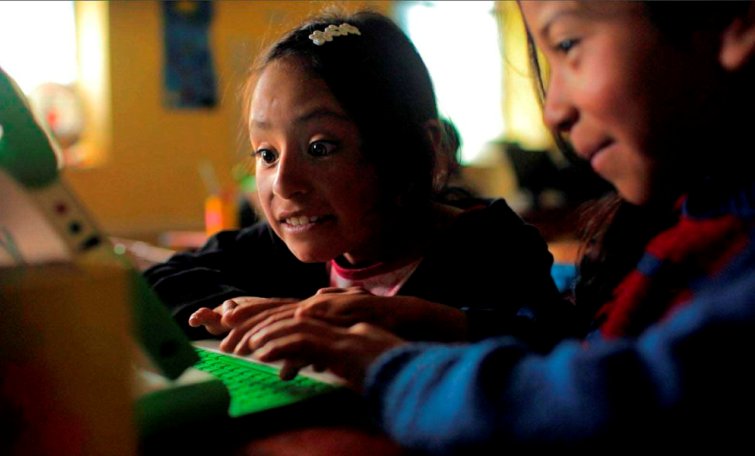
564, 275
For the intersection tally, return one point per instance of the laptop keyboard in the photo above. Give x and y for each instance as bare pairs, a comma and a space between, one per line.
255, 387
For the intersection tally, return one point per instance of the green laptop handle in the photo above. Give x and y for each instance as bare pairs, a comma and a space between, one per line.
26, 152
28, 155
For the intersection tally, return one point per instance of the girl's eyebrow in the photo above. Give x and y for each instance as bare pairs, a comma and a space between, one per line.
259, 124
317, 113
554, 17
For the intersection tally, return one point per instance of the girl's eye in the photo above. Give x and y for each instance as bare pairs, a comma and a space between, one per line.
564, 46
266, 155
321, 148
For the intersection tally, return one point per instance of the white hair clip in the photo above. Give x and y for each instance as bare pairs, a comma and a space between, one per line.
320, 37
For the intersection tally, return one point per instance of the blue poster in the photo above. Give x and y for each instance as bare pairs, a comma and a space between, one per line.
189, 75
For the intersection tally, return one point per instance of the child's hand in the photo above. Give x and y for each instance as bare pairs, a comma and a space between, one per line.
211, 319
347, 352
241, 315
407, 316
244, 311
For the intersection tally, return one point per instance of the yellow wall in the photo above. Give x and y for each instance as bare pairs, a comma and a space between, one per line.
521, 107
148, 180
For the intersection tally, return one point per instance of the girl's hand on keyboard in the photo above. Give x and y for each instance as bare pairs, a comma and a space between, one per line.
236, 316
212, 319
246, 313
409, 317
347, 352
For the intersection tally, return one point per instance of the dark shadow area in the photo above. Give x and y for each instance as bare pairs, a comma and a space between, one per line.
554, 191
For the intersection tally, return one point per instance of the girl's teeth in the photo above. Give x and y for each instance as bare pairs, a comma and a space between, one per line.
303, 220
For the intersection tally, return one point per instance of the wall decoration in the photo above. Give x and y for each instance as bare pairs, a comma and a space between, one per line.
189, 74
58, 107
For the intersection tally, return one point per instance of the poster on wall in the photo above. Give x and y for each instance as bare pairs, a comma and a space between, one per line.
189, 74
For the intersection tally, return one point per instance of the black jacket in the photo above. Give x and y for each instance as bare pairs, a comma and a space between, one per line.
488, 262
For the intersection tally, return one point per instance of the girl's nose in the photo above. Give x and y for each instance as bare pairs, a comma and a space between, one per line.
291, 177
559, 113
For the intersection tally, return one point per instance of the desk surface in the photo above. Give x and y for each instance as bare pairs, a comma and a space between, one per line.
314, 440
323, 441
337, 425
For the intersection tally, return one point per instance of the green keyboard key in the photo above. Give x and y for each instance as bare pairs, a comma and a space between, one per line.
255, 387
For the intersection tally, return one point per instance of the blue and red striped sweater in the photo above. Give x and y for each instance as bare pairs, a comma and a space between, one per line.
672, 370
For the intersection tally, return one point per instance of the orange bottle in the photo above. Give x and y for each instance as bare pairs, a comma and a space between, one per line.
220, 212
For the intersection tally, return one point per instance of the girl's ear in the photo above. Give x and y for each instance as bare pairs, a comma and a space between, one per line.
738, 41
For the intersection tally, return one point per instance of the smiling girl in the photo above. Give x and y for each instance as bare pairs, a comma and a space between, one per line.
344, 128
